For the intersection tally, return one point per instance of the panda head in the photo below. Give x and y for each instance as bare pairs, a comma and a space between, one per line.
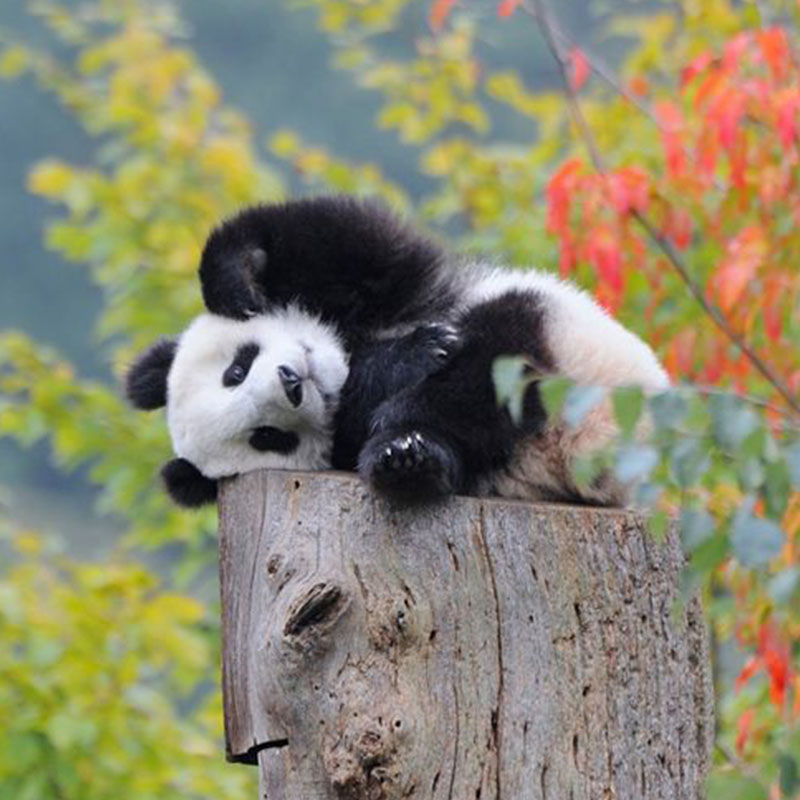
242, 395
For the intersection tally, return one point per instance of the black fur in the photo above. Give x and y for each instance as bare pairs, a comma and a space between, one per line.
447, 432
378, 370
269, 439
349, 260
186, 485
146, 381
239, 368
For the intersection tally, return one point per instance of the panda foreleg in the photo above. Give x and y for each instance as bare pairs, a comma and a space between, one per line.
448, 434
379, 369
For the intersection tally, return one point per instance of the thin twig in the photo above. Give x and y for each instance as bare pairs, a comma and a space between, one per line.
712, 311
540, 12
600, 68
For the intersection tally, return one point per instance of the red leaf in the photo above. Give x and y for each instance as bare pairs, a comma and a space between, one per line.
440, 11
727, 112
775, 49
670, 119
580, 68
775, 656
628, 189
744, 255
678, 227
735, 50
603, 251
743, 725
639, 86
567, 257
787, 103
753, 665
680, 356
700, 64
770, 311
559, 191
777, 663
507, 7
707, 153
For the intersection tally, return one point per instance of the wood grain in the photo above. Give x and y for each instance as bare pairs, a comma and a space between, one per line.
469, 649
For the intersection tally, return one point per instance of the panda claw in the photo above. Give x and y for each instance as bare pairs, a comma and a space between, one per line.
410, 465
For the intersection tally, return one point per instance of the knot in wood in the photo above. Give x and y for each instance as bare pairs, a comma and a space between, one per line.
319, 608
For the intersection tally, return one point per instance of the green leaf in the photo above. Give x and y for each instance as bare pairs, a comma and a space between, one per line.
755, 541
782, 586
657, 524
751, 473
628, 405
793, 460
647, 494
732, 785
586, 470
789, 776
697, 526
508, 374
710, 554
554, 394
777, 488
689, 462
635, 463
732, 420
581, 400
668, 409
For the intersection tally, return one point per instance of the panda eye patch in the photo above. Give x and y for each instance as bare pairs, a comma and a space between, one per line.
237, 370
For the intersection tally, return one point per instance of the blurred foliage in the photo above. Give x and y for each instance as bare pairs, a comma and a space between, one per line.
94, 659
697, 137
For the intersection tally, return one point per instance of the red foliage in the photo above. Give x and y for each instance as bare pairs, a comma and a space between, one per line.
725, 191
507, 7
772, 656
580, 68
440, 11
743, 727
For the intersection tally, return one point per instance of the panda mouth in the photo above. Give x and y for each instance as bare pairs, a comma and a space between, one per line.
269, 439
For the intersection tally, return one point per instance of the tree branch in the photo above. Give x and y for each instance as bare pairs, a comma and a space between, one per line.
549, 28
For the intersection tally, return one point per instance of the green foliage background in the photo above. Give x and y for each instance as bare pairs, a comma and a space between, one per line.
108, 674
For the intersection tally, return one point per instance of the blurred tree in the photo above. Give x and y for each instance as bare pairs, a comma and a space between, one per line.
95, 659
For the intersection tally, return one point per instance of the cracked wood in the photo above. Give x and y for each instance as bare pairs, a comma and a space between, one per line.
468, 649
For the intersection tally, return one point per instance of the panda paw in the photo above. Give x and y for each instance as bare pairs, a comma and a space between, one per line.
437, 341
412, 466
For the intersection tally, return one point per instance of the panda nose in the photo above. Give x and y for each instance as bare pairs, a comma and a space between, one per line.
292, 384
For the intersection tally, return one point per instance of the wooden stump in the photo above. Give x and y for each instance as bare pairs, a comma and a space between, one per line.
472, 649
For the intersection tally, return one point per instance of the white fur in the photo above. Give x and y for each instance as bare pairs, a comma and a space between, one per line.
210, 424
590, 348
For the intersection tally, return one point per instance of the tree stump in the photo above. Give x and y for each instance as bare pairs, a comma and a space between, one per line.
470, 649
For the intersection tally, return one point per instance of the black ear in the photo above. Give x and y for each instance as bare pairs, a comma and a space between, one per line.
146, 381
186, 485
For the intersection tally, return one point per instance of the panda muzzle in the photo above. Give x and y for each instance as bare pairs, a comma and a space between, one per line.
292, 384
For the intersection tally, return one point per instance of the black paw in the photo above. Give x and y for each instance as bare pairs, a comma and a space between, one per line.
436, 341
411, 465
232, 283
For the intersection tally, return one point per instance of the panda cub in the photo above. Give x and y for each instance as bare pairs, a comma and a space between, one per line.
372, 276
264, 392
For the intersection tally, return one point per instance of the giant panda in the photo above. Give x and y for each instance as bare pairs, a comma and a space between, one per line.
264, 393
372, 276
417, 412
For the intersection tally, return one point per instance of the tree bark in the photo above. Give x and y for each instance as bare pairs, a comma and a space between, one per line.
470, 649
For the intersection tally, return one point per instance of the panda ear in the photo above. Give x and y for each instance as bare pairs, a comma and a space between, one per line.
186, 485
146, 381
